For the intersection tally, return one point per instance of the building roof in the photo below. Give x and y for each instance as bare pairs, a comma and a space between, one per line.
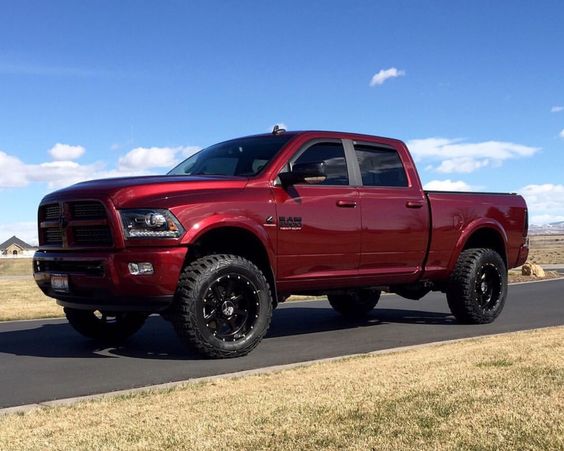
15, 240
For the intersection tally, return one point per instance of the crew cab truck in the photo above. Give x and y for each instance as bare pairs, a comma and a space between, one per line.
238, 227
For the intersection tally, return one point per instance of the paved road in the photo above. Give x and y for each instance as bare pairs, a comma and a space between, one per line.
45, 360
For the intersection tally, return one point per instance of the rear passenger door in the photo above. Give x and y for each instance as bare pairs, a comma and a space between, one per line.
394, 215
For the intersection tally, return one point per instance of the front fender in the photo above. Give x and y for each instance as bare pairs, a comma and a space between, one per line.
215, 222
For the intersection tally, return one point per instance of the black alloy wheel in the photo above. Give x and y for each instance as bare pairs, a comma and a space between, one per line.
488, 287
231, 306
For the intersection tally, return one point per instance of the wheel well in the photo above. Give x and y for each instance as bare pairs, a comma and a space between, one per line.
236, 241
487, 238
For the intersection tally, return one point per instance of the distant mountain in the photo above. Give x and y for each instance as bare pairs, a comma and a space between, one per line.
554, 228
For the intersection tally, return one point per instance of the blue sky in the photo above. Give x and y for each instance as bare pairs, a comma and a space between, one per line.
94, 89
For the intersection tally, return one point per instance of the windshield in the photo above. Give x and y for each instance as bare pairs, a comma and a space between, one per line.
244, 157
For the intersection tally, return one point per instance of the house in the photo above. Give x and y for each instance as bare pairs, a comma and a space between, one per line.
14, 247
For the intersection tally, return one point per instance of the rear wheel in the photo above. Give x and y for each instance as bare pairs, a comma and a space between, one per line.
223, 306
356, 304
478, 286
105, 326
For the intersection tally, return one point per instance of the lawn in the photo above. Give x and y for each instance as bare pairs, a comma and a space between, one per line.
15, 267
502, 392
22, 299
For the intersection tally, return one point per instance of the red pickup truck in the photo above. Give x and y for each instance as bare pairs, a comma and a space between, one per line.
235, 229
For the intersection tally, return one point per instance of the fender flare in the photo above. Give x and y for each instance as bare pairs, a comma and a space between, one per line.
469, 230
216, 222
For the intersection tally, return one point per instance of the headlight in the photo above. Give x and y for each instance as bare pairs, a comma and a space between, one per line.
150, 223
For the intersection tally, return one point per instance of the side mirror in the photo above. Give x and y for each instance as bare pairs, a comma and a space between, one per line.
310, 173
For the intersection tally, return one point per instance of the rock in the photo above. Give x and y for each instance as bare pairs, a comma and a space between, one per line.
532, 269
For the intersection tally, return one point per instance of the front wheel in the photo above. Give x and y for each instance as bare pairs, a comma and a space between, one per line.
478, 286
223, 306
105, 326
356, 304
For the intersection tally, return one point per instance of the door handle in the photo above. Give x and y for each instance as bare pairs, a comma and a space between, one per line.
346, 203
414, 204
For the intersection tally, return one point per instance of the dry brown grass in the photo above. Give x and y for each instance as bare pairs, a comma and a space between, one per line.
22, 299
15, 267
504, 392
547, 249
515, 275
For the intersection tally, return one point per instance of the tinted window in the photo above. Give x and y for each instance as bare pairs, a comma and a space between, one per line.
333, 155
244, 157
380, 166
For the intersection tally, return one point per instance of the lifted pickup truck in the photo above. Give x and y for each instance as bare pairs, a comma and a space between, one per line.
235, 229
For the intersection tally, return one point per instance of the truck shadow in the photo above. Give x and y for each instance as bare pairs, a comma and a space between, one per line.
157, 339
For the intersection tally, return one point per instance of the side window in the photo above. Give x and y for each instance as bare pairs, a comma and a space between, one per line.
333, 155
380, 166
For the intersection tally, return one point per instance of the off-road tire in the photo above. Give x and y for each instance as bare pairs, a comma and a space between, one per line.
468, 290
355, 305
105, 327
195, 298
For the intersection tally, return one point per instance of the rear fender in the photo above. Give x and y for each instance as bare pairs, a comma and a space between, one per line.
469, 231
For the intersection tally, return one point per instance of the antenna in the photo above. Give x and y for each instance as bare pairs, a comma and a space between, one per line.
276, 130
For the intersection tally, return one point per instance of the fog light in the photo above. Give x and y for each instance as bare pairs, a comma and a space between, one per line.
137, 269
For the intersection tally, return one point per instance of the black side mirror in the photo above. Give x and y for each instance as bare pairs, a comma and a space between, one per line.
310, 173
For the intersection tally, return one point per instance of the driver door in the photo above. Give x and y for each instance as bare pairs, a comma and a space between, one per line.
318, 224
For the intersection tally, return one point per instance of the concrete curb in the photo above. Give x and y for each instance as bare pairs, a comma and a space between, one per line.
239, 374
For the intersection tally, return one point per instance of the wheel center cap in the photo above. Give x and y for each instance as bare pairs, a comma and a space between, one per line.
227, 308
484, 287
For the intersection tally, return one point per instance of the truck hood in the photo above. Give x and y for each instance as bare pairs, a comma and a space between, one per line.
121, 191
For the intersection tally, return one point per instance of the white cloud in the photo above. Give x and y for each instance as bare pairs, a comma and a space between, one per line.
60, 172
557, 109
11, 170
545, 219
561, 134
456, 155
65, 152
26, 231
447, 185
464, 164
380, 77
146, 158
545, 202
188, 151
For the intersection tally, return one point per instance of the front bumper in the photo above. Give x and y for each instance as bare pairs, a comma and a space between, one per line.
102, 281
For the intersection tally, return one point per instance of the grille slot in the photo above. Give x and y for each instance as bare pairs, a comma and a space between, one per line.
53, 236
93, 268
74, 224
51, 212
92, 235
87, 210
